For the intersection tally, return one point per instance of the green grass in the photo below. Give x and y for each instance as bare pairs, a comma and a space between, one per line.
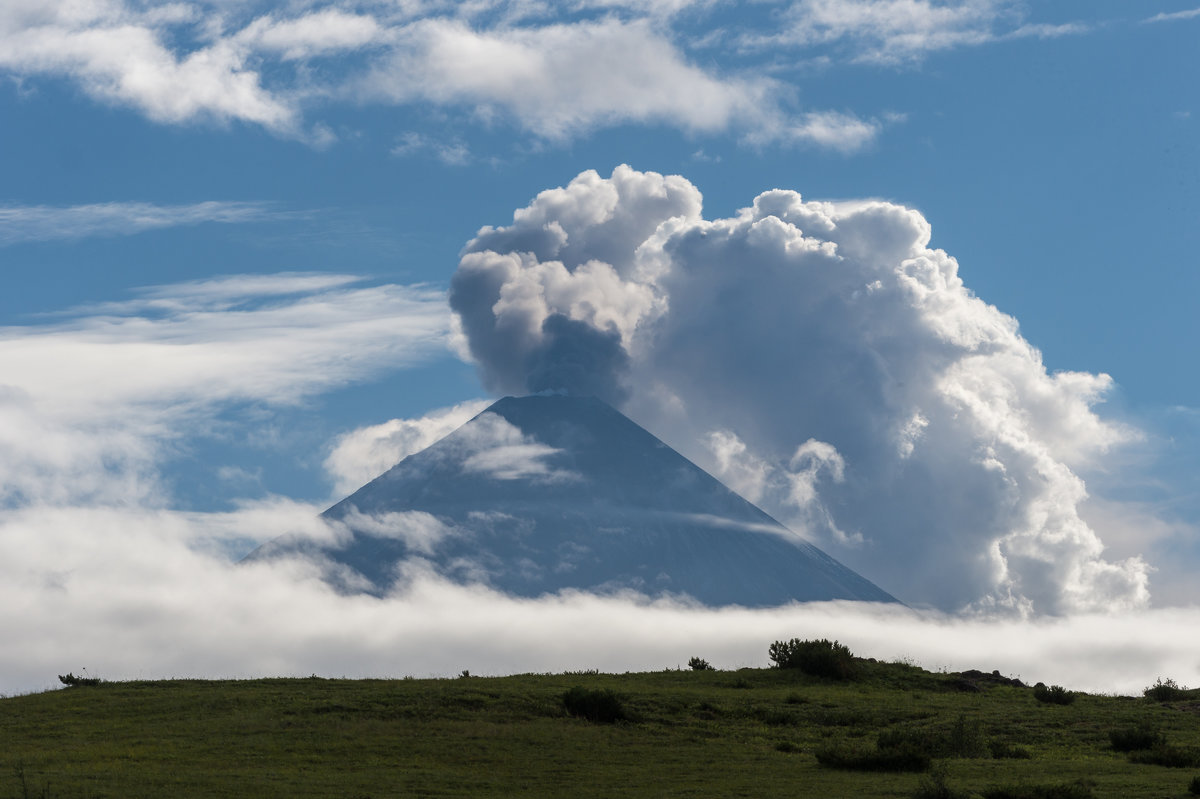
749, 733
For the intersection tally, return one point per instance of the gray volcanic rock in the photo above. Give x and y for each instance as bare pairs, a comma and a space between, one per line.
544, 493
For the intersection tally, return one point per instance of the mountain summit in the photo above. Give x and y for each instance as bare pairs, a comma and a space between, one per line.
543, 493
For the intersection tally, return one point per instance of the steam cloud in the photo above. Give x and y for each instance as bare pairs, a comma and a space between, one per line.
825, 361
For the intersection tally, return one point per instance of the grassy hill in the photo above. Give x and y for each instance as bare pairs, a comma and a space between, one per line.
890, 730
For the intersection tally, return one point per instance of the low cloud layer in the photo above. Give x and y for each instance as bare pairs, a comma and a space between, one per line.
142, 597
828, 363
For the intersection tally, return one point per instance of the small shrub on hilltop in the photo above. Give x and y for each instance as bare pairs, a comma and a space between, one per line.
1053, 695
1164, 690
700, 664
70, 679
822, 658
599, 705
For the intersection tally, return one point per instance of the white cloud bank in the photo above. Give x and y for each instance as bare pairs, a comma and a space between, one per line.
137, 597
551, 70
841, 373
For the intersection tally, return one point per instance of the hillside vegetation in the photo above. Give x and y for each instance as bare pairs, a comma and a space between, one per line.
867, 729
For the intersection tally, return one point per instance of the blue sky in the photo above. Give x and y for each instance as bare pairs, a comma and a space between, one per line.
228, 229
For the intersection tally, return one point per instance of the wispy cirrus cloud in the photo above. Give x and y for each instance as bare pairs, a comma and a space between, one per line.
23, 223
452, 153
893, 32
1174, 16
90, 399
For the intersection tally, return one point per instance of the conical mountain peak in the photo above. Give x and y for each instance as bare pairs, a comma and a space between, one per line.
544, 493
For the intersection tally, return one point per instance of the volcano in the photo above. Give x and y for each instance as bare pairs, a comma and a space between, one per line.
547, 493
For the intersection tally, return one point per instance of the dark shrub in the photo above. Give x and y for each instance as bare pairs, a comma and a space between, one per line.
1194, 786
599, 705
71, 679
1002, 750
962, 739
1066, 790
1132, 739
1164, 690
699, 664
965, 739
935, 787
1167, 755
778, 718
821, 658
865, 759
1054, 695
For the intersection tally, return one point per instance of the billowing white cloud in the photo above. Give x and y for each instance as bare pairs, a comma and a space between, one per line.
45, 223
826, 360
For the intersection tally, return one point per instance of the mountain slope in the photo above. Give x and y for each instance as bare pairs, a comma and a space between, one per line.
544, 493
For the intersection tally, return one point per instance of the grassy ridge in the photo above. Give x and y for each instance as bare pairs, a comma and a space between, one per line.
753, 733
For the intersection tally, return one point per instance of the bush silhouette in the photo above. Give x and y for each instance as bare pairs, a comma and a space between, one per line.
599, 705
70, 679
1164, 690
935, 786
1167, 755
699, 664
1132, 739
964, 738
851, 758
1054, 695
821, 658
